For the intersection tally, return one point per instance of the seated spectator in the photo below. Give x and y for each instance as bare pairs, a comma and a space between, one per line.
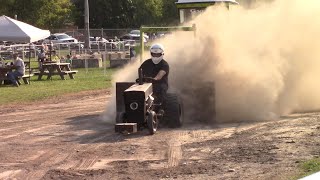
19, 67
55, 57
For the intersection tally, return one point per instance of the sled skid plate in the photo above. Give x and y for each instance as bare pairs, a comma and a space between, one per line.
126, 127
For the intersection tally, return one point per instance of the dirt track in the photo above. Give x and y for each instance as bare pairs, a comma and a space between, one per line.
68, 140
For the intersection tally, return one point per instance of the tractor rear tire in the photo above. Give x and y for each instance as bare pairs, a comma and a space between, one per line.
173, 111
152, 122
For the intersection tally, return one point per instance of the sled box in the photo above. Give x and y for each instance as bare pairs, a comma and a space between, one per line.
126, 127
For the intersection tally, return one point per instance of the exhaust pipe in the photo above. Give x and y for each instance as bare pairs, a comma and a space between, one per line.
140, 76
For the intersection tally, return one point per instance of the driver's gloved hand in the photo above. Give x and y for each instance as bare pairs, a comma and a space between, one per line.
147, 80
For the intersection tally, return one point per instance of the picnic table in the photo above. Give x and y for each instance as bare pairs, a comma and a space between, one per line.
53, 68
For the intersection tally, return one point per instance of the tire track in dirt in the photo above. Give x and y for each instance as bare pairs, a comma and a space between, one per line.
8, 175
53, 159
196, 134
174, 148
73, 162
40, 137
174, 155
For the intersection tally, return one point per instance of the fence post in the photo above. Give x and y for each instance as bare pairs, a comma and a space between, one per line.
105, 59
85, 60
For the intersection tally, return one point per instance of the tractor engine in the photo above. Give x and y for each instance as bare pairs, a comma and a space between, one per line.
137, 101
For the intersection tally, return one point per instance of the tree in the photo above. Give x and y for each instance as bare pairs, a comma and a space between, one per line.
52, 14
170, 14
127, 13
6, 6
45, 14
148, 12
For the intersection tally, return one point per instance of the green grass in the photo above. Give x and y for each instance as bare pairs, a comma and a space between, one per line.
308, 167
93, 79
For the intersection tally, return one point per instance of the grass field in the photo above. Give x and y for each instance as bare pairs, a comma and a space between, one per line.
308, 167
90, 79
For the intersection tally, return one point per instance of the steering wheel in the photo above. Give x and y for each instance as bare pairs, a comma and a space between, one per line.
146, 80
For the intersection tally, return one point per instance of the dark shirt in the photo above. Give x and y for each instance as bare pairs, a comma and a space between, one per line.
149, 69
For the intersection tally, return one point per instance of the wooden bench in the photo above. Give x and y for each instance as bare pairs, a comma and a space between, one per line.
47, 73
70, 72
25, 78
38, 72
31, 70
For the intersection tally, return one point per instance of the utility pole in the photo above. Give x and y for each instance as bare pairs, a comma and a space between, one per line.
86, 25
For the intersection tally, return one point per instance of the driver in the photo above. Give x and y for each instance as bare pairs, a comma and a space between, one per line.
157, 69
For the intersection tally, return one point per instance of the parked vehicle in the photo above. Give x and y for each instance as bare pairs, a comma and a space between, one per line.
76, 34
134, 35
100, 41
63, 39
137, 33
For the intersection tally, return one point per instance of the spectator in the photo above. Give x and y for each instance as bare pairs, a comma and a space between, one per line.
19, 67
41, 57
55, 57
69, 60
132, 53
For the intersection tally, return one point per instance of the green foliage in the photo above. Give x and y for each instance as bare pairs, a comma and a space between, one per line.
54, 14
45, 14
128, 13
147, 12
170, 14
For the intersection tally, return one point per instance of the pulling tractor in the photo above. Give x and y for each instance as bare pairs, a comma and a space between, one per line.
136, 104
137, 107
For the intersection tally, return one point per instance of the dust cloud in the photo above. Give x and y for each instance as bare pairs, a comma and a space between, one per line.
262, 62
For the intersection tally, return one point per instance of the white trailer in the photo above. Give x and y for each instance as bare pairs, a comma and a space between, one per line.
188, 9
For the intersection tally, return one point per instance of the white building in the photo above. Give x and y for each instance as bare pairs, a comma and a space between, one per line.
188, 9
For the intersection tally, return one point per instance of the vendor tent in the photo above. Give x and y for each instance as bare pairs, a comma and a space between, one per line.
17, 31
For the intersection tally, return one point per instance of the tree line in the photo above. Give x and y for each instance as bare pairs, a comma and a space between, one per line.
58, 14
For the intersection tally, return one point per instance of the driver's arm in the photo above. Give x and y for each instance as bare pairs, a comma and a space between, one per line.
160, 74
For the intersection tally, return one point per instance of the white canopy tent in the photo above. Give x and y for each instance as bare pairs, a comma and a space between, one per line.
17, 31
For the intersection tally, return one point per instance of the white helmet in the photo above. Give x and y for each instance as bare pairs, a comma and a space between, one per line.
157, 52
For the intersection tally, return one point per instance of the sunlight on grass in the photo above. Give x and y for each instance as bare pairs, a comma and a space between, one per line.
308, 167
93, 79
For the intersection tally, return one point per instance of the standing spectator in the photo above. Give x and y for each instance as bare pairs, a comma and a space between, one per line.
132, 54
41, 57
69, 60
19, 67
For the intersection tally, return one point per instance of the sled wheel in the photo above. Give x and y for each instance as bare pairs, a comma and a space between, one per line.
173, 111
152, 122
